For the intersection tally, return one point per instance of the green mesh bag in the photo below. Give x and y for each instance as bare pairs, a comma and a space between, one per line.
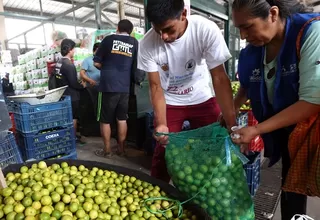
207, 168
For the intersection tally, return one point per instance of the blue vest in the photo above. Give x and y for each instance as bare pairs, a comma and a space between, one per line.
251, 76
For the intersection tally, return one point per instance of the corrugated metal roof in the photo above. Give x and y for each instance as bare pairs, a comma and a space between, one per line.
54, 7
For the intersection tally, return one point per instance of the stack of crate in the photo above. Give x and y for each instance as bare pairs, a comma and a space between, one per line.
9, 151
45, 131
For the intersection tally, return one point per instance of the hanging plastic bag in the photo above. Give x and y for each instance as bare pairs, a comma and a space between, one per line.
206, 167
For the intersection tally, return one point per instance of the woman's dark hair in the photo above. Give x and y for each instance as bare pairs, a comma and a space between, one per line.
96, 46
260, 8
160, 11
125, 26
66, 46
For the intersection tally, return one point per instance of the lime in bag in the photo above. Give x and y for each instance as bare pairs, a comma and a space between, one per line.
208, 169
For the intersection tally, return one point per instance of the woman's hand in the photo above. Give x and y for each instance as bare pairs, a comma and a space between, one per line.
244, 135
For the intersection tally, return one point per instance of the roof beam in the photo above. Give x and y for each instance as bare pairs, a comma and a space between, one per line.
89, 15
28, 15
107, 9
72, 9
108, 20
92, 6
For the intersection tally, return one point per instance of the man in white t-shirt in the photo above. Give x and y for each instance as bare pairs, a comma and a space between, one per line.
179, 54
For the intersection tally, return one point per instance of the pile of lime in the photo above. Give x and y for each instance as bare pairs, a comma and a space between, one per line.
68, 192
200, 172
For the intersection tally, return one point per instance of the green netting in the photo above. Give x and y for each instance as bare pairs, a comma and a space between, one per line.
208, 169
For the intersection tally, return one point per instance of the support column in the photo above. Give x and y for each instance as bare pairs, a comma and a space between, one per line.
121, 10
147, 24
3, 35
43, 29
97, 11
74, 17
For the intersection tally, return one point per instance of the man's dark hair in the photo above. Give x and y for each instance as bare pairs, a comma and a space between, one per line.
66, 46
96, 46
160, 11
125, 26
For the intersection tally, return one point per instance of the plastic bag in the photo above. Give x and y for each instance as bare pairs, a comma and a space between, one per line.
208, 169
304, 150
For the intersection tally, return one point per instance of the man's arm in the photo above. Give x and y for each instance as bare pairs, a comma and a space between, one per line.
222, 88
157, 99
86, 78
240, 99
83, 71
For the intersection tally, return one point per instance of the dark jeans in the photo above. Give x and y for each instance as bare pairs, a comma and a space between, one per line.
291, 203
93, 93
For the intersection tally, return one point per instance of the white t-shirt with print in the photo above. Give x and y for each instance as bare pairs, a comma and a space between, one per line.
184, 64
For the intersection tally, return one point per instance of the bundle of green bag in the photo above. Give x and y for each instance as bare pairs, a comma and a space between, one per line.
208, 169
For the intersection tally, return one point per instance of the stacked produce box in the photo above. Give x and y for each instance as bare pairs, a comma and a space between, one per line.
31, 75
5, 62
45, 131
246, 118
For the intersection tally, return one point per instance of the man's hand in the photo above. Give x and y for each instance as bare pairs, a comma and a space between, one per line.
222, 88
222, 121
83, 83
162, 139
92, 82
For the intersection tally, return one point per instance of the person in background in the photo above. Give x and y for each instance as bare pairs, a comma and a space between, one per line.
179, 54
7, 87
91, 75
116, 58
279, 72
67, 73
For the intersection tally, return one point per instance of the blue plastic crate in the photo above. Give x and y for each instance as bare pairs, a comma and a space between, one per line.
9, 151
47, 144
72, 156
32, 118
252, 170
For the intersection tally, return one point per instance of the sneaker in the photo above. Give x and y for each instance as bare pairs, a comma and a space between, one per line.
301, 217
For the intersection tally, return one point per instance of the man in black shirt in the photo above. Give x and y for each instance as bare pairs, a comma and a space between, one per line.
7, 87
117, 60
67, 75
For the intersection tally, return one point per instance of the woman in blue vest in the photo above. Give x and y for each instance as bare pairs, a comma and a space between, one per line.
279, 71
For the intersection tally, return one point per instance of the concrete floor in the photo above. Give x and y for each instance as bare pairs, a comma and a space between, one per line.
136, 159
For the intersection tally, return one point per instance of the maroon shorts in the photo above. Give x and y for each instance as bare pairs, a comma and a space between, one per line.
198, 115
